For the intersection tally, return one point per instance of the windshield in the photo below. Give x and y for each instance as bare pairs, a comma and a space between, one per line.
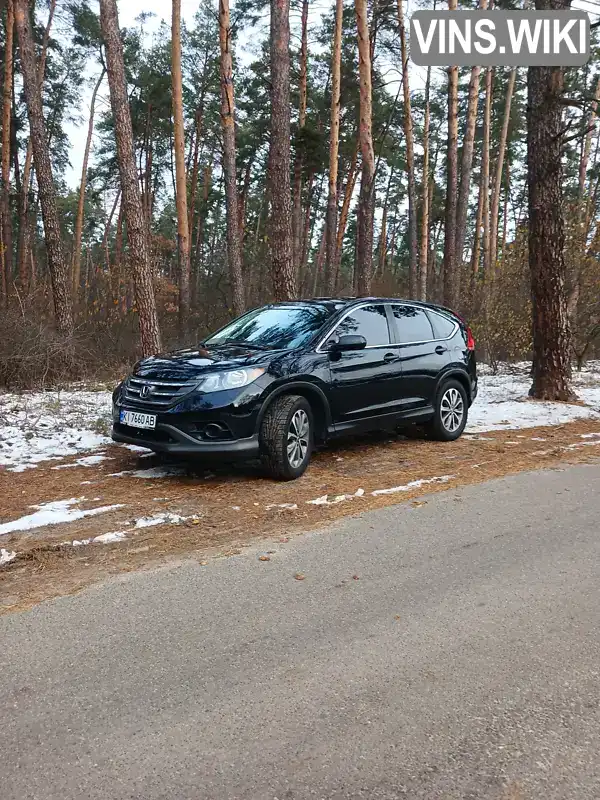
275, 327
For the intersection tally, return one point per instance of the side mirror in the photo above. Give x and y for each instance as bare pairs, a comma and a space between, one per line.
348, 344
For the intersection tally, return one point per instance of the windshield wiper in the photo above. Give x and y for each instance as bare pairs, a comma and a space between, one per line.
243, 343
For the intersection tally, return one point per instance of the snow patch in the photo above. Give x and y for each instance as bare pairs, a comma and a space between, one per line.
149, 474
412, 485
503, 401
39, 426
6, 556
87, 461
54, 513
104, 538
161, 519
326, 500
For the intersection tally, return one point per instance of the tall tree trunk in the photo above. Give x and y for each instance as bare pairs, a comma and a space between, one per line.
505, 212
451, 269
497, 183
365, 213
6, 254
137, 230
59, 272
183, 230
466, 165
319, 263
234, 231
587, 142
76, 261
24, 224
551, 334
424, 243
282, 262
343, 222
485, 171
334, 148
299, 161
410, 163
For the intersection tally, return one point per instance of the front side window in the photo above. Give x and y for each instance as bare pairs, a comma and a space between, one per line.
413, 324
370, 322
274, 327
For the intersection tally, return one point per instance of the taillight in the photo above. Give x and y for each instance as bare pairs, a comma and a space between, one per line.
470, 340
470, 337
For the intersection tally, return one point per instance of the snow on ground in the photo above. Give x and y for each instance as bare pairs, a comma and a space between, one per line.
54, 513
87, 461
6, 556
42, 426
503, 403
38, 426
104, 538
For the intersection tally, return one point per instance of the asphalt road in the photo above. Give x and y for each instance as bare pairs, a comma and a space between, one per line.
463, 663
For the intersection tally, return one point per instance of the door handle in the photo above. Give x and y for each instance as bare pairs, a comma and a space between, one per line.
440, 350
390, 357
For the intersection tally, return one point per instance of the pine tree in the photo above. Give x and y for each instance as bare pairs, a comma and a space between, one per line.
234, 227
133, 212
57, 264
282, 263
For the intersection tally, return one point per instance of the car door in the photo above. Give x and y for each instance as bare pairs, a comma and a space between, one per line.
364, 382
421, 355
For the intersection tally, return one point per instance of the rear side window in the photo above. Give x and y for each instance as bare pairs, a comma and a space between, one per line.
370, 322
413, 324
443, 327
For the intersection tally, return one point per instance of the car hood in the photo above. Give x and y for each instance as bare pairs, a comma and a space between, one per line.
186, 364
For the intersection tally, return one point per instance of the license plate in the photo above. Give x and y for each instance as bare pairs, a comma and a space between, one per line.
136, 420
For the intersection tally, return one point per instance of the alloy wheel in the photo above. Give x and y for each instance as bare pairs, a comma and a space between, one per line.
298, 438
452, 410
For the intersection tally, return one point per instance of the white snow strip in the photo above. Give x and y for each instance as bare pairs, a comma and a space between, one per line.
413, 485
326, 500
589, 435
161, 519
149, 474
283, 506
6, 556
87, 461
54, 513
104, 538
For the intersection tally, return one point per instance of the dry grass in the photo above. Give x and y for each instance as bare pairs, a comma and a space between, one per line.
45, 568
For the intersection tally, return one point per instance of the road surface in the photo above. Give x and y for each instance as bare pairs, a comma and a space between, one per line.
463, 663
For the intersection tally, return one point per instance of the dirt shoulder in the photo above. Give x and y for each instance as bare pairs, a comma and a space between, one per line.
222, 511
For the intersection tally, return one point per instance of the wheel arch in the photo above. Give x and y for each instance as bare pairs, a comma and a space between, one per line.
459, 375
313, 394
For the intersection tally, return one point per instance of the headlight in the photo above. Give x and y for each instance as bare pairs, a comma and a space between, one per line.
232, 379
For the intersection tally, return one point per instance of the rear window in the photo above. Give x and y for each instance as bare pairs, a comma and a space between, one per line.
413, 324
442, 326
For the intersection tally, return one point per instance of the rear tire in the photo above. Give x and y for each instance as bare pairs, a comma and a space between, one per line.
451, 413
286, 437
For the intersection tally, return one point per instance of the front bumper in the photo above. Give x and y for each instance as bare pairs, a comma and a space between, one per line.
170, 439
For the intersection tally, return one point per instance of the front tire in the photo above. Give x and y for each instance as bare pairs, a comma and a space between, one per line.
286, 437
451, 412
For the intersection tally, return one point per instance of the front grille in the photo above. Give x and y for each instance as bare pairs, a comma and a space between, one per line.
161, 394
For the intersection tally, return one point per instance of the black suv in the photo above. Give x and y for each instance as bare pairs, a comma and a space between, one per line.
283, 377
